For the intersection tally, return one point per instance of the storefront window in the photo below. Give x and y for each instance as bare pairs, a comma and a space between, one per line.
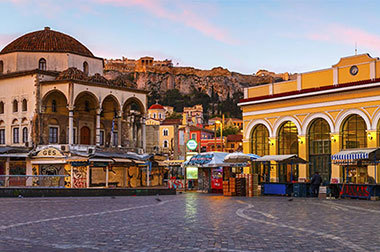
260, 140
354, 133
288, 139
320, 149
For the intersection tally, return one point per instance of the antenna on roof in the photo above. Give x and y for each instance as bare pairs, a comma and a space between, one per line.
356, 48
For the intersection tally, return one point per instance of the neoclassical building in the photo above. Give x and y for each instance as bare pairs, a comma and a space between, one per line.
53, 93
315, 116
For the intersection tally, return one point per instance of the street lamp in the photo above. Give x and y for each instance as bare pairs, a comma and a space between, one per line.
221, 133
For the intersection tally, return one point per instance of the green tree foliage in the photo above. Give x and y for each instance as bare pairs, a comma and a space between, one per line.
231, 130
175, 115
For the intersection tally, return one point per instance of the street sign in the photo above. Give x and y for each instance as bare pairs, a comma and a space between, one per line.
191, 144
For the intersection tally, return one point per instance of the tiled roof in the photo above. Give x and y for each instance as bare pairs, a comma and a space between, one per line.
157, 106
47, 41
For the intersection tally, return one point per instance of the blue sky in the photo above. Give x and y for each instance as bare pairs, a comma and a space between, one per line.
241, 35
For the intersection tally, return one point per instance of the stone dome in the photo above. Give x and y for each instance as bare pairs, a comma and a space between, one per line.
47, 40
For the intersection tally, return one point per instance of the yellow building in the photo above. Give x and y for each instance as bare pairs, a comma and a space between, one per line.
315, 116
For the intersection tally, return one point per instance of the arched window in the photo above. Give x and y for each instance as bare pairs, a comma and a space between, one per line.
42, 64
85, 68
53, 106
260, 140
1, 107
320, 149
25, 135
1, 66
287, 144
24, 105
166, 132
354, 133
15, 106
288, 139
165, 144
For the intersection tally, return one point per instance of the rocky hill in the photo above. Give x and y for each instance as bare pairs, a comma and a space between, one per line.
163, 78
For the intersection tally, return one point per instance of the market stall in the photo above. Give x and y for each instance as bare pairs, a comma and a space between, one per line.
359, 168
238, 182
286, 167
210, 170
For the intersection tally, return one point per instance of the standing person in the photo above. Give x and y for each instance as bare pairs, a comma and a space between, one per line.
316, 181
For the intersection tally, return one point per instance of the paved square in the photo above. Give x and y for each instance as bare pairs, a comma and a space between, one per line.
188, 222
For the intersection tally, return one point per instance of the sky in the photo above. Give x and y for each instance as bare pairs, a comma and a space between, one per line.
241, 35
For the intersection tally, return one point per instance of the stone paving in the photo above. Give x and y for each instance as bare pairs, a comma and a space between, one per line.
188, 222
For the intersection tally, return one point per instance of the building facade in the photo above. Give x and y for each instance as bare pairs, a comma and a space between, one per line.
315, 116
54, 96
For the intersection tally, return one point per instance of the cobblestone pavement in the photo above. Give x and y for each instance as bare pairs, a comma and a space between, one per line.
188, 222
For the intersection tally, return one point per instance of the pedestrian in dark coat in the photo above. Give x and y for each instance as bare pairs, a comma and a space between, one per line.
316, 182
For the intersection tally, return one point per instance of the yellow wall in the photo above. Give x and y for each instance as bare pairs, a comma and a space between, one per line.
258, 91
283, 87
317, 79
345, 75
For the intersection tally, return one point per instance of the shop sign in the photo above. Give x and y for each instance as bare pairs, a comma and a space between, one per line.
100, 164
79, 163
192, 144
49, 152
201, 159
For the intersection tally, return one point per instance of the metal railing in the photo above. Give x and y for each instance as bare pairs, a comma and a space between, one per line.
50, 181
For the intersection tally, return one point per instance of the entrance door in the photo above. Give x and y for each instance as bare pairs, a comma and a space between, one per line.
85, 135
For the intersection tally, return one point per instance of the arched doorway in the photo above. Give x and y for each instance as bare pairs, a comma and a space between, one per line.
86, 106
320, 149
133, 112
260, 146
287, 144
85, 135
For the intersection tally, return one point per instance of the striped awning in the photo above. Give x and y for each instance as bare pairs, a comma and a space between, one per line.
355, 154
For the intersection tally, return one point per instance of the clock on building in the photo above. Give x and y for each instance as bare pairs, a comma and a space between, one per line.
354, 70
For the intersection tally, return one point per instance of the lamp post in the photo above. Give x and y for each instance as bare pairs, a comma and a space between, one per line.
221, 133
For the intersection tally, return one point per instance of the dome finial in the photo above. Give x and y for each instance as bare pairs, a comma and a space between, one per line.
47, 28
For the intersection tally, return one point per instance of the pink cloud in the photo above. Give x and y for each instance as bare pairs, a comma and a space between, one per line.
182, 14
341, 34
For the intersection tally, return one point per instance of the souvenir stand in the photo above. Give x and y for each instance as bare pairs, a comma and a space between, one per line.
236, 182
282, 182
210, 170
358, 181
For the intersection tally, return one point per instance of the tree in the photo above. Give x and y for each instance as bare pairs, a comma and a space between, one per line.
231, 130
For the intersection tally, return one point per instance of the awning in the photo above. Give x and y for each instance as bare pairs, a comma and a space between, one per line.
174, 162
122, 160
51, 161
371, 154
103, 160
208, 160
16, 155
289, 159
239, 157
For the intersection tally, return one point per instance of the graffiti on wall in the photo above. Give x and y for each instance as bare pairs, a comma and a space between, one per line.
79, 177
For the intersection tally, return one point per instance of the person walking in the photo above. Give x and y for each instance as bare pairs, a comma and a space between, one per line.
316, 182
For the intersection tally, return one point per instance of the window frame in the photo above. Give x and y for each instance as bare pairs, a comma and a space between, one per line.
16, 137
15, 106
50, 135
24, 105
42, 64
25, 137
2, 136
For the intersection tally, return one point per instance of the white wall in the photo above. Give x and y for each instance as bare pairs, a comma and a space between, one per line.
17, 88
25, 61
